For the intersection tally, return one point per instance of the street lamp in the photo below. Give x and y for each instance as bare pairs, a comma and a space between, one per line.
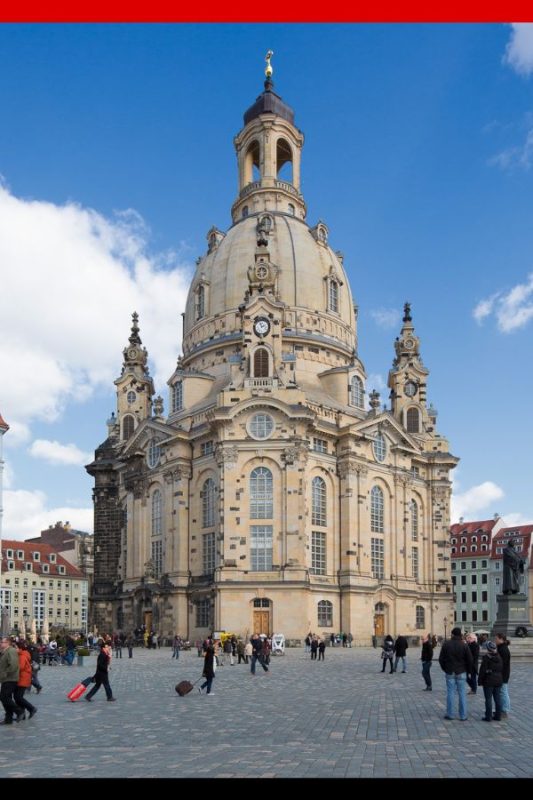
445, 620
26, 618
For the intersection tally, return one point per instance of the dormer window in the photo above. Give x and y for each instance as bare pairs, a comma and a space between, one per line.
36, 556
20, 554
28, 566
11, 565
46, 568
52, 558
474, 539
292, 210
61, 569
9, 553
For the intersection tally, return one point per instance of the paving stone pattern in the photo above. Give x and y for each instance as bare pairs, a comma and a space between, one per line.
341, 718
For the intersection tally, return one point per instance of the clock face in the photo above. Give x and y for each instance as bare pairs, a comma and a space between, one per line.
409, 343
410, 389
132, 352
261, 326
261, 272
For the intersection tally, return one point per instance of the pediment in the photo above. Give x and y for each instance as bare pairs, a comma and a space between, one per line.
391, 429
144, 433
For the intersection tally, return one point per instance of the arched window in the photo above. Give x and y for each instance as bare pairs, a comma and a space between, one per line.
413, 420
200, 302
128, 425
420, 617
325, 614
244, 212
334, 296
463, 549
208, 503
474, 539
284, 161
318, 514
292, 210
157, 513
377, 507
154, 453
414, 520
251, 163
357, 392
261, 363
484, 547
177, 396
454, 550
261, 494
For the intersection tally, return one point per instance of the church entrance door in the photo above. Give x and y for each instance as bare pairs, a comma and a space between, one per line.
148, 620
262, 622
379, 624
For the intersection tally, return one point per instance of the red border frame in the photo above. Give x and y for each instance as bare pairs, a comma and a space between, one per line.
248, 11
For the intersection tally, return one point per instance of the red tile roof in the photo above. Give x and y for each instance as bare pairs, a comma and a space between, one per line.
485, 526
522, 532
28, 548
473, 533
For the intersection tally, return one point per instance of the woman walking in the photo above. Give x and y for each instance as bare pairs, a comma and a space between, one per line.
24, 681
101, 676
209, 669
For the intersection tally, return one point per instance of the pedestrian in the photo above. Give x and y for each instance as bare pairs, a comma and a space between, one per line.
240, 652
427, 658
491, 678
210, 666
257, 653
455, 660
176, 647
400, 648
321, 649
129, 645
503, 651
314, 648
9, 676
24, 681
101, 676
248, 651
387, 652
471, 640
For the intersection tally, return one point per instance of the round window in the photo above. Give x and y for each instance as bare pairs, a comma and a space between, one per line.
261, 426
154, 454
131, 397
380, 447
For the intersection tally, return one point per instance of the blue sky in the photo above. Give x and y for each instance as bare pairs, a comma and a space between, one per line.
116, 157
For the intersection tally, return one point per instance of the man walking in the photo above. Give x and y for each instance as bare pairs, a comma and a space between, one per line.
456, 661
9, 676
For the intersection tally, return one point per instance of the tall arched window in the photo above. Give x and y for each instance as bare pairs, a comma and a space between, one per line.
284, 161
356, 392
208, 503
413, 420
420, 617
377, 507
177, 396
318, 515
128, 425
325, 614
414, 520
334, 296
157, 513
261, 363
200, 302
261, 494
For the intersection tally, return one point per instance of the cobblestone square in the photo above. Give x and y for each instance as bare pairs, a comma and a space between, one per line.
341, 718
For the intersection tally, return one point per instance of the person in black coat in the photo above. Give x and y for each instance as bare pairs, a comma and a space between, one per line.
427, 658
101, 676
400, 648
455, 660
209, 669
491, 678
503, 651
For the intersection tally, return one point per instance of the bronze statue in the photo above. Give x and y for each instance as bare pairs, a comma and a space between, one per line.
513, 567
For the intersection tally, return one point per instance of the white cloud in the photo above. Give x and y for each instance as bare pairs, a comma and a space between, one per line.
386, 317
516, 518
26, 514
56, 453
519, 50
512, 310
70, 281
18, 434
520, 156
476, 499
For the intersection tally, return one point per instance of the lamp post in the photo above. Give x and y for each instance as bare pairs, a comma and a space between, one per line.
26, 618
5, 622
445, 620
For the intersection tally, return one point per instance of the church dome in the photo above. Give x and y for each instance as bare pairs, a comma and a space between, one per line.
305, 266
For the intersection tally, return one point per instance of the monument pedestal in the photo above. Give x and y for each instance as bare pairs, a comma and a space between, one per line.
512, 615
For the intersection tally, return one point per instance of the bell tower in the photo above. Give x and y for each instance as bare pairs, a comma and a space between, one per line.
408, 380
135, 387
269, 150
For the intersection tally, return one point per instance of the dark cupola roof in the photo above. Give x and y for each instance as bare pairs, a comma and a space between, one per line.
269, 103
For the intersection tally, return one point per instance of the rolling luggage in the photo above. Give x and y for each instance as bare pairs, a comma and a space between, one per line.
184, 687
79, 690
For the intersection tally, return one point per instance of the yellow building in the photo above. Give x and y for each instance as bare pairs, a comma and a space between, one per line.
272, 496
40, 589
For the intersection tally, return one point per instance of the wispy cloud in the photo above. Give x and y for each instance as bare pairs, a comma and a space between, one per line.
516, 157
386, 317
512, 309
56, 453
475, 500
519, 50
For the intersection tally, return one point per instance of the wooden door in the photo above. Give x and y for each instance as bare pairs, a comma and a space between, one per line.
379, 624
261, 622
148, 620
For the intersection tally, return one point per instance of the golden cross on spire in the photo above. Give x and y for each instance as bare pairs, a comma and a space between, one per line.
269, 70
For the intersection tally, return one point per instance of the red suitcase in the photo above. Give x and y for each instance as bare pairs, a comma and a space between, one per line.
79, 690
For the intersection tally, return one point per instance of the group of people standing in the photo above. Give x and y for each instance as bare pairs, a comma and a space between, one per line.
15, 677
394, 650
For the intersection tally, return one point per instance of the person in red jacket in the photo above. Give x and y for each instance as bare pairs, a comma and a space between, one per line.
24, 681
